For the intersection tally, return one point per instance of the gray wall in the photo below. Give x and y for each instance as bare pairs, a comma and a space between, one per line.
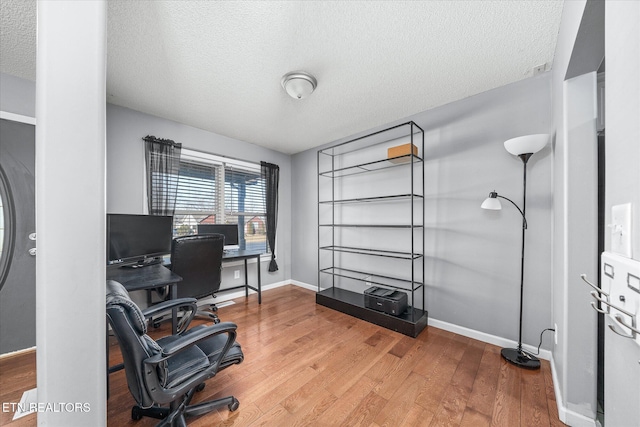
472, 267
125, 173
18, 95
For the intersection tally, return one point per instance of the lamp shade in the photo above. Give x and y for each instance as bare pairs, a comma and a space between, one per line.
492, 204
299, 84
527, 144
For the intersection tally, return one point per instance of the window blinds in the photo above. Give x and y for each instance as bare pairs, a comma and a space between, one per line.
243, 192
197, 189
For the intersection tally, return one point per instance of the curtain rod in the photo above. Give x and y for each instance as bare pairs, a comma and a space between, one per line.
151, 138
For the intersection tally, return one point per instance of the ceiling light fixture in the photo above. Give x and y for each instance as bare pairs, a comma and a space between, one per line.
299, 84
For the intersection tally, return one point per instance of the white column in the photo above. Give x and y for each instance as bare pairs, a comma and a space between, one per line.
70, 213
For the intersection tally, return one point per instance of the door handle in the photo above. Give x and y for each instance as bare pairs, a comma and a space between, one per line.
32, 251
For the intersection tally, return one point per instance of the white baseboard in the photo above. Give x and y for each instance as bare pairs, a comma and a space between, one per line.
461, 330
565, 415
17, 118
488, 338
241, 292
17, 352
304, 285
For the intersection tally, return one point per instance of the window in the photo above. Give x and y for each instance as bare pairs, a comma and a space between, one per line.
218, 190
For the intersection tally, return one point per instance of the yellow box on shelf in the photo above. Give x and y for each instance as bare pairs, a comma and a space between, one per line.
401, 153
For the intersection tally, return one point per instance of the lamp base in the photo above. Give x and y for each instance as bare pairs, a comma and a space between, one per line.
520, 358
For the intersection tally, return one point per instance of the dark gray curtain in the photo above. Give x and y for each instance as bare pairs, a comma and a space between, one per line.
271, 175
162, 157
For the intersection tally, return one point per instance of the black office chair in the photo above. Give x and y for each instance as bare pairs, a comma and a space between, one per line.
173, 368
198, 260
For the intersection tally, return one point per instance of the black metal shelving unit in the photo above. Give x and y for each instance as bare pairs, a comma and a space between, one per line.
371, 225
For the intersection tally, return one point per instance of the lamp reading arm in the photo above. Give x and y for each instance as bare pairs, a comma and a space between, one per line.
524, 219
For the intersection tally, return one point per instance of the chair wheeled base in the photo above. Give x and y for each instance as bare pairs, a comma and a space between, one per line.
178, 412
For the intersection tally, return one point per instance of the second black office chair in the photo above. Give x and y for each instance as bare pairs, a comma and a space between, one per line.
173, 368
198, 260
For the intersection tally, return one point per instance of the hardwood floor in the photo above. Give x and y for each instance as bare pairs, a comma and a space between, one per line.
306, 364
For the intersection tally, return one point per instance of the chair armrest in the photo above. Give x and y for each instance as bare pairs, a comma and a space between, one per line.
169, 304
186, 341
157, 390
199, 335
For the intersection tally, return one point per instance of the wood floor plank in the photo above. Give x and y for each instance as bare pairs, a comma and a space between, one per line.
337, 412
473, 418
307, 364
534, 409
313, 409
506, 408
440, 376
282, 385
417, 416
485, 385
454, 401
365, 413
393, 378
309, 392
375, 348
402, 401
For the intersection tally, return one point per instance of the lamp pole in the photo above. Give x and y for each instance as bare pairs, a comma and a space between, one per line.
523, 147
518, 356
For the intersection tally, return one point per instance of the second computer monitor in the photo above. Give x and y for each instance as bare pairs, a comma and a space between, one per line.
229, 231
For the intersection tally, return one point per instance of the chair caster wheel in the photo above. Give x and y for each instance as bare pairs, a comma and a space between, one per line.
233, 406
216, 320
156, 325
136, 413
200, 387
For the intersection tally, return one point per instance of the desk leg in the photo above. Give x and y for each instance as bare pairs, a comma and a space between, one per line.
246, 280
259, 280
174, 311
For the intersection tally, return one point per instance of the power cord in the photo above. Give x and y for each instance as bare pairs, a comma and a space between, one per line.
540, 345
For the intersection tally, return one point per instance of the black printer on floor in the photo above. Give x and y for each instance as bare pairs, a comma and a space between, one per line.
386, 300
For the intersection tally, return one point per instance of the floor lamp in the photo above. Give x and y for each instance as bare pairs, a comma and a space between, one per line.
523, 147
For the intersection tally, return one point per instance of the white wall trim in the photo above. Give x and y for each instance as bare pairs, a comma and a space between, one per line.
487, 338
304, 285
565, 415
461, 330
226, 296
17, 352
17, 118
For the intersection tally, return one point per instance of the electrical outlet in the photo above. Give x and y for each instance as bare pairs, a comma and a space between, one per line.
555, 333
236, 274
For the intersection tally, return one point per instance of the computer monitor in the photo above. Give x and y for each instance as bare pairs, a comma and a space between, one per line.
138, 239
229, 231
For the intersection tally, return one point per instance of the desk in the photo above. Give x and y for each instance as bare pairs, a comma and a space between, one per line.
245, 255
149, 277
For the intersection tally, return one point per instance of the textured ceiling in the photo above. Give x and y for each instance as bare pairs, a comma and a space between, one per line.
217, 65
